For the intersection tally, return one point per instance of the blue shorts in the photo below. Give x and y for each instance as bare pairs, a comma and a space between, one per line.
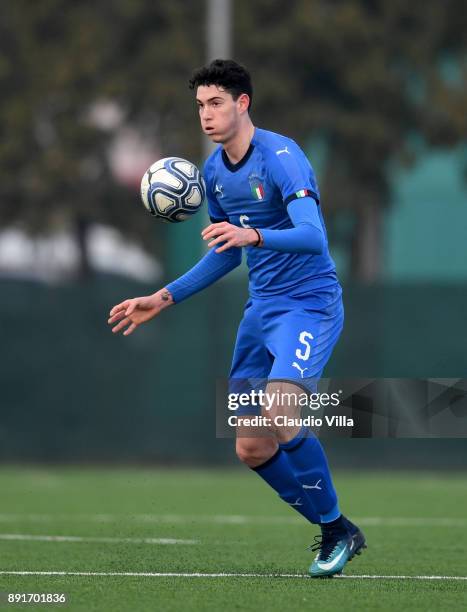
288, 338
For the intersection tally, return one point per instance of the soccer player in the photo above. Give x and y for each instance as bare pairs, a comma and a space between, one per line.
263, 197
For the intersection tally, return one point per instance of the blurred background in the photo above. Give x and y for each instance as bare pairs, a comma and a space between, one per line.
91, 93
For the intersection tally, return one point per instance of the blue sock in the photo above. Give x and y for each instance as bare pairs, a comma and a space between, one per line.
277, 472
308, 462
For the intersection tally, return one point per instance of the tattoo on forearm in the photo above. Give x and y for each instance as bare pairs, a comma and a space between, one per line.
165, 296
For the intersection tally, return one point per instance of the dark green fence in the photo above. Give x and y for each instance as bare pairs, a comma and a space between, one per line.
71, 391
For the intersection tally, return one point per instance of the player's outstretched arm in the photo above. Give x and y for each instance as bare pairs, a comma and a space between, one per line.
129, 314
208, 270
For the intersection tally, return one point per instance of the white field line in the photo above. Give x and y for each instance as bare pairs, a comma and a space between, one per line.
228, 519
106, 540
220, 575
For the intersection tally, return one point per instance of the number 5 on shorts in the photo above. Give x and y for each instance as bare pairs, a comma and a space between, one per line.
304, 355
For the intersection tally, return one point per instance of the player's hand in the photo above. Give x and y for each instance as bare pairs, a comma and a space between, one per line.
230, 235
131, 313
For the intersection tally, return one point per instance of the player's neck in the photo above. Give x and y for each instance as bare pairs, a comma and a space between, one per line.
240, 143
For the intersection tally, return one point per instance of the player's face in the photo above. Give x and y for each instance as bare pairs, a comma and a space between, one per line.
219, 113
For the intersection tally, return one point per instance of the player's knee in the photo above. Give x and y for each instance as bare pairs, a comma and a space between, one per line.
255, 451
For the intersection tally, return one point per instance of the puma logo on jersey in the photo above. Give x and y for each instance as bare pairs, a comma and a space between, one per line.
283, 151
218, 190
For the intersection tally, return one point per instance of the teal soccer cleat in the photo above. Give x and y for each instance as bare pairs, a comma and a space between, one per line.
337, 546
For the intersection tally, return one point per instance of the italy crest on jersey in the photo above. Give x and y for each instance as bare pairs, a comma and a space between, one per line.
256, 187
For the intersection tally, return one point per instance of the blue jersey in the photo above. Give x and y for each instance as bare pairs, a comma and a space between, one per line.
255, 192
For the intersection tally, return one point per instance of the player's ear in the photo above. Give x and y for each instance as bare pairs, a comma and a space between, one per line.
243, 102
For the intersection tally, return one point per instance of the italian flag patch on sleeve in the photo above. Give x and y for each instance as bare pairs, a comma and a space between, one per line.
302, 193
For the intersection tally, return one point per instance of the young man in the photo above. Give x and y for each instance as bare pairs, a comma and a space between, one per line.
262, 196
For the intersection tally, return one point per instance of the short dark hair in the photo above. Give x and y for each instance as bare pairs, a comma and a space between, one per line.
229, 75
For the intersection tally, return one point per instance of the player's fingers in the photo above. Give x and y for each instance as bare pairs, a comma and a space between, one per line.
130, 330
132, 307
225, 246
215, 231
211, 230
217, 240
212, 227
121, 325
116, 317
122, 306
206, 229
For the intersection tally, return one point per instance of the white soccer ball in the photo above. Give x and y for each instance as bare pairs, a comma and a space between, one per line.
172, 189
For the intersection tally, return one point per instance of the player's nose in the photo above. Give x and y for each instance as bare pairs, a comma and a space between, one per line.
206, 114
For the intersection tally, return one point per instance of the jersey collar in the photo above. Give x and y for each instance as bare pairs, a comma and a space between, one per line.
234, 167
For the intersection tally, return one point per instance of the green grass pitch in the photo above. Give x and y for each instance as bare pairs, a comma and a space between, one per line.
226, 521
